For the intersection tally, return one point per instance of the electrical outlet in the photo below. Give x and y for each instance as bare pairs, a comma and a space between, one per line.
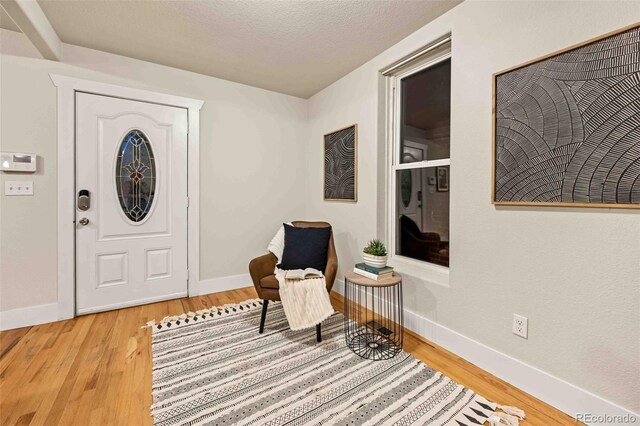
520, 325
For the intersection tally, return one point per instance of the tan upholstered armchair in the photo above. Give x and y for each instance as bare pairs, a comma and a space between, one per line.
261, 270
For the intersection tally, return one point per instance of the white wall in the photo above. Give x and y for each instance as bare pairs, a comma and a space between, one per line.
251, 144
575, 273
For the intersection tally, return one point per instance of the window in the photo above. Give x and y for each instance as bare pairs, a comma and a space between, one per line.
420, 102
135, 175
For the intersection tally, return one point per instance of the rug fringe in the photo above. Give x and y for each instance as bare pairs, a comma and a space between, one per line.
510, 416
514, 411
218, 311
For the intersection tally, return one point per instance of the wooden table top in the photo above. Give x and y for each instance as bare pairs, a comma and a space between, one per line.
357, 279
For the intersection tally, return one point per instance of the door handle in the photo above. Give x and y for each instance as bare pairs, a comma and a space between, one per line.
84, 221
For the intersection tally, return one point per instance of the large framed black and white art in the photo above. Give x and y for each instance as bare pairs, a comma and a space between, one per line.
567, 126
340, 164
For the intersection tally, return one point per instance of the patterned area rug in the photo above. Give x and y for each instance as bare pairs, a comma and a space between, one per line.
212, 367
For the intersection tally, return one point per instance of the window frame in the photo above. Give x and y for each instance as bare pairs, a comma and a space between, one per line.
427, 271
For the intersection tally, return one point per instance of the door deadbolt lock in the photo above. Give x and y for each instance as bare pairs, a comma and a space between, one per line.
84, 200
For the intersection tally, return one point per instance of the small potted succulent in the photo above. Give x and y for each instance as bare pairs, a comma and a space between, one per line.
375, 254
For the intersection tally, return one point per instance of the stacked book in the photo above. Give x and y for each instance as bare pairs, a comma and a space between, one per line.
373, 272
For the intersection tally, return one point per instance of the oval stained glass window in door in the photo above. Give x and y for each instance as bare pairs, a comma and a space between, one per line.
135, 175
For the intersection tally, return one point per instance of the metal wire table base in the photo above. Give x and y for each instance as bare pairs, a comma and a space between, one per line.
373, 317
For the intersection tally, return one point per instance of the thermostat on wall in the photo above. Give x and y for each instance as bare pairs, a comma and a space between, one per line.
17, 162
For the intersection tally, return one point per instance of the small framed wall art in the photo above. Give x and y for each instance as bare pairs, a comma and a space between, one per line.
341, 164
442, 179
566, 129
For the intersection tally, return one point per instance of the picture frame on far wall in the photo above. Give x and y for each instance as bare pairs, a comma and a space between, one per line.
341, 164
442, 179
565, 127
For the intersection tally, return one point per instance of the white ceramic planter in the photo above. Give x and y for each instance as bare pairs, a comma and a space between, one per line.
375, 261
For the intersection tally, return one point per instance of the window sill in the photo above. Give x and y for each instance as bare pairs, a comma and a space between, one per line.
434, 274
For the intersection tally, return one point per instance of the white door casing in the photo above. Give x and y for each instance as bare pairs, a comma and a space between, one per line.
120, 260
66, 89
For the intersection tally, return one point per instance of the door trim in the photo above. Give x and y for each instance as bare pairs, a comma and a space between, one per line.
66, 91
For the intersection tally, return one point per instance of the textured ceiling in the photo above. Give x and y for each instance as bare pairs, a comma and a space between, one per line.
294, 47
6, 22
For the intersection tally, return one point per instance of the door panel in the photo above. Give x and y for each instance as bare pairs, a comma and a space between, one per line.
112, 269
132, 158
158, 263
114, 223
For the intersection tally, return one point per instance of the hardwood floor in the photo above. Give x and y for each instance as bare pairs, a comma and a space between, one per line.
96, 369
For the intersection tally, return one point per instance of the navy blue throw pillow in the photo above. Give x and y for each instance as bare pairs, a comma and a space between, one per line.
305, 248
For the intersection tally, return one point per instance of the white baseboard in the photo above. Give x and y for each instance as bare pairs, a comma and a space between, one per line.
556, 392
40, 314
31, 315
232, 282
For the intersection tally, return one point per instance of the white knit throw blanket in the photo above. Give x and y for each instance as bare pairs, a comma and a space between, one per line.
305, 302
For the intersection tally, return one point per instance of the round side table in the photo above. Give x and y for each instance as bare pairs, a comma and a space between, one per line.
373, 316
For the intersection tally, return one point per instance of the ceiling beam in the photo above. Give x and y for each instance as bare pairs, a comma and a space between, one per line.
32, 21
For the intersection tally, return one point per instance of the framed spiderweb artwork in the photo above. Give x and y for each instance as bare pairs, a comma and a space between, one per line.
567, 126
340, 164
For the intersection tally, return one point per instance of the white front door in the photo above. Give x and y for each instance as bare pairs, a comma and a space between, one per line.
131, 241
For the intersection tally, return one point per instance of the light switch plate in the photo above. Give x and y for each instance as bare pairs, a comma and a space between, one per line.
18, 187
